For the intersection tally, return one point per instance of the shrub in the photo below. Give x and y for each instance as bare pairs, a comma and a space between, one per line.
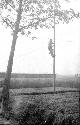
32, 115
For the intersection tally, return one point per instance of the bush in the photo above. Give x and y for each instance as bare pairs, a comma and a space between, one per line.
32, 115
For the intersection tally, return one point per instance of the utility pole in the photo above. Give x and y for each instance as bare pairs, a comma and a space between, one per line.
54, 53
5, 91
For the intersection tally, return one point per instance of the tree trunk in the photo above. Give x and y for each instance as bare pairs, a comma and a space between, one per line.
5, 92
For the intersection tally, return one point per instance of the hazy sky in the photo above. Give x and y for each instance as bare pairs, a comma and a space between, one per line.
32, 56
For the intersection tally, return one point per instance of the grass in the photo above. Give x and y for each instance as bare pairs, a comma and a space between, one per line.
36, 109
41, 109
17, 83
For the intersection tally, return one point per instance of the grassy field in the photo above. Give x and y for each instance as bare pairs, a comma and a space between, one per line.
33, 101
40, 83
39, 109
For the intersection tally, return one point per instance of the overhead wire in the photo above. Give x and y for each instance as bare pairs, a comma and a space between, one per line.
21, 56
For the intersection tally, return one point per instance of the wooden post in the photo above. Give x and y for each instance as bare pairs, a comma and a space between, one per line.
54, 52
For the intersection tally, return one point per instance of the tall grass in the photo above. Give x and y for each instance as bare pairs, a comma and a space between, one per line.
30, 83
39, 83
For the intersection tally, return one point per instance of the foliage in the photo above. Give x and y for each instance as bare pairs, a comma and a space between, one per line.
35, 14
31, 115
52, 108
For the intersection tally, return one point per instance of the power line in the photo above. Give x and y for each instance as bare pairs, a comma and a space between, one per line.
21, 56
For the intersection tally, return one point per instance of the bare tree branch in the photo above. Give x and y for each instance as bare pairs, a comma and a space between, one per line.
8, 22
